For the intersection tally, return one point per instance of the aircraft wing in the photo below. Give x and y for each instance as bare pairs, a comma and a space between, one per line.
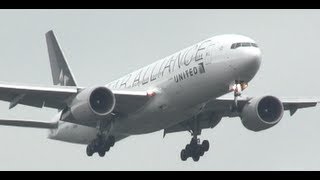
29, 123
222, 107
292, 104
36, 96
58, 97
128, 101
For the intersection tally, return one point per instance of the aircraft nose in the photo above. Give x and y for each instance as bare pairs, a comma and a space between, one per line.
252, 58
248, 63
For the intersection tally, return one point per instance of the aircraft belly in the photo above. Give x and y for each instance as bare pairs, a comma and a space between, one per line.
147, 122
73, 133
78, 134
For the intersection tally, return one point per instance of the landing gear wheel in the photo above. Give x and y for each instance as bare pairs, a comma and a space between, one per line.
201, 153
111, 141
102, 153
107, 148
183, 155
195, 148
205, 145
188, 148
89, 150
195, 157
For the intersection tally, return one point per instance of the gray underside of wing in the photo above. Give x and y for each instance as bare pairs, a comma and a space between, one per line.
206, 120
293, 104
28, 123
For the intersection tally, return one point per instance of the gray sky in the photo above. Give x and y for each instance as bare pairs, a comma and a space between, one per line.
102, 45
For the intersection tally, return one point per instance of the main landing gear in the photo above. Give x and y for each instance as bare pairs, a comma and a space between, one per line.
104, 140
194, 149
101, 145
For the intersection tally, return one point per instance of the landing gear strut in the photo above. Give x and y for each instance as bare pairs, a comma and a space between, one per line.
237, 88
195, 149
101, 145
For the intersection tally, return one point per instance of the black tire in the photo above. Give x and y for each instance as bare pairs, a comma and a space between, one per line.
107, 148
102, 153
205, 145
201, 152
183, 155
188, 149
89, 150
112, 141
196, 157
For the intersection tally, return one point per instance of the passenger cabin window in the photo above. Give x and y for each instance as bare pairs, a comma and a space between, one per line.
243, 44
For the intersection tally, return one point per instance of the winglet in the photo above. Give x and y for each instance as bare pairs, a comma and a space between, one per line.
61, 73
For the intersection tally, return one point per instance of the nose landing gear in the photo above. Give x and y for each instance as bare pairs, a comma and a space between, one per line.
237, 88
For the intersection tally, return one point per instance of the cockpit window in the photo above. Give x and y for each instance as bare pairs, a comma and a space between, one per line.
254, 45
243, 44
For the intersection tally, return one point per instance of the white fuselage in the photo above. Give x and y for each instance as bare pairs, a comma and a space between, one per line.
183, 82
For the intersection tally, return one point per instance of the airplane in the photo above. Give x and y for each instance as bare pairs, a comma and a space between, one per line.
190, 90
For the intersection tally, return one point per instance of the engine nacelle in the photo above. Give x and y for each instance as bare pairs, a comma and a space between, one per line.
262, 113
90, 103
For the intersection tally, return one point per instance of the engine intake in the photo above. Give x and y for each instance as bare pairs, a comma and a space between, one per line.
102, 100
262, 113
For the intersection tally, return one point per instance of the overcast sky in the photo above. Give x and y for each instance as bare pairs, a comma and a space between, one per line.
102, 45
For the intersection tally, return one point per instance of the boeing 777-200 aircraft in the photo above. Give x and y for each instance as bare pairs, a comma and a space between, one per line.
181, 92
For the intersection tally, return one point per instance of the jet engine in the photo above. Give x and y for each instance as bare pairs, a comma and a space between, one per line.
262, 113
90, 103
